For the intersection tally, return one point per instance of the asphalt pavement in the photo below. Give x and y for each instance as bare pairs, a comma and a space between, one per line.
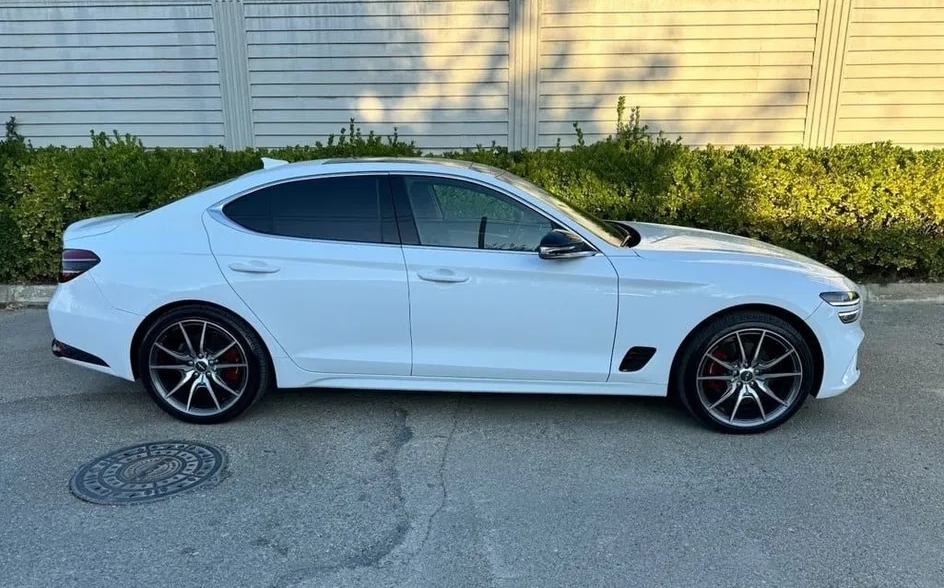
336, 488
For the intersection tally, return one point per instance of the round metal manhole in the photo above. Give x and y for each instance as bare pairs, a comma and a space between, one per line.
148, 472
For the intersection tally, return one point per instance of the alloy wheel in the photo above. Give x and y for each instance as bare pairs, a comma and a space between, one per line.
198, 367
749, 377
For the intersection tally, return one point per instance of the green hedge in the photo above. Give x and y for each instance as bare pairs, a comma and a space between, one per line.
872, 211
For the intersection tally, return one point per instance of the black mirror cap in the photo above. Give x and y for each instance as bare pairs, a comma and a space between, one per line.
561, 244
561, 238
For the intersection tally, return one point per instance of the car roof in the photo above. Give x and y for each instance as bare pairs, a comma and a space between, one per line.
380, 163
276, 170
400, 160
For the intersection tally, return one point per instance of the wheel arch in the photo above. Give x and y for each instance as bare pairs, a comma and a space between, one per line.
795, 321
155, 314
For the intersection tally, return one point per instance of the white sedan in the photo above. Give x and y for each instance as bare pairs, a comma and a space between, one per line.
438, 275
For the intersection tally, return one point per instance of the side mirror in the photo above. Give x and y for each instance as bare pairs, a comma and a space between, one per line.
560, 244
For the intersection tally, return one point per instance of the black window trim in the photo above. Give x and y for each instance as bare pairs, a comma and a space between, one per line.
409, 236
216, 210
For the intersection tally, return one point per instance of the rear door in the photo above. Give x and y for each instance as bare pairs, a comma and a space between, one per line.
318, 261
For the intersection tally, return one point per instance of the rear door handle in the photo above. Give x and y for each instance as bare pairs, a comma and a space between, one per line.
442, 275
254, 267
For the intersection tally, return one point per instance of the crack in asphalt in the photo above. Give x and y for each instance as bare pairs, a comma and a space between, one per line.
372, 555
442, 479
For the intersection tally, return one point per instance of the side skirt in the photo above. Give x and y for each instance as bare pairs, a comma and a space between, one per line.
288, 378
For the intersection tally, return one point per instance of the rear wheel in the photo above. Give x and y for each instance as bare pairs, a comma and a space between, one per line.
203, 365
746, 372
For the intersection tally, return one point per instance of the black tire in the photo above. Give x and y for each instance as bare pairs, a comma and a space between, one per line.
718, 337
255, 380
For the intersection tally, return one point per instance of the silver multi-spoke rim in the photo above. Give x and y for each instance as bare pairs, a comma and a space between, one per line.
198, 367
749, 377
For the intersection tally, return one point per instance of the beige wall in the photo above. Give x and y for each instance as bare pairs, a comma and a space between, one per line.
437, 71
780, 72
711, 71
893, 76
456, 73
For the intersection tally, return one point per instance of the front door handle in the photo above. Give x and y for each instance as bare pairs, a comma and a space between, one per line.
255, 267
442, 275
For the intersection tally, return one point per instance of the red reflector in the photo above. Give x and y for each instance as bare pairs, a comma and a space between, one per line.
76, 262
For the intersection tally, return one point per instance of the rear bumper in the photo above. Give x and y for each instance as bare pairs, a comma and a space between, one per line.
64, 351
90, 332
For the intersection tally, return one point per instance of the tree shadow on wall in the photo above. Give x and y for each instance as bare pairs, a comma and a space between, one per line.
437, 73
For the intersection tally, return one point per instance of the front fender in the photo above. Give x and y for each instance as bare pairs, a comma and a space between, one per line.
659, 310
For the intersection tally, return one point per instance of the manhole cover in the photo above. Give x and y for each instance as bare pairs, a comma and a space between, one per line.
148, 472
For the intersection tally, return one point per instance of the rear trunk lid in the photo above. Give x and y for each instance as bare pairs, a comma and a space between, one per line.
98, 225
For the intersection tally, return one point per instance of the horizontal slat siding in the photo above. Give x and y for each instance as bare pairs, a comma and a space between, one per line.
731, 136
896, 5
699, 7
264, 104
146, 130
470, 92
77, 38
443, 118
670, 100
58, 106
378, 8
683, 114
719, 71
435, 143
685, 32
435, 70
893, 79
97, 67
86, 11
370, 50
724, 72
148, 70
96, 93
724, 17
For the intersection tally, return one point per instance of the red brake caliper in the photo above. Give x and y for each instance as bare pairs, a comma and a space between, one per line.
715, 369
231, 375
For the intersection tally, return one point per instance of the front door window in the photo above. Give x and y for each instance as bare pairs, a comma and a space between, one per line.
452, 213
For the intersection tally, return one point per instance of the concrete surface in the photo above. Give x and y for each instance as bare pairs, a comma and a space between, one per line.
334, 489
905, 292
26, 295
896, 292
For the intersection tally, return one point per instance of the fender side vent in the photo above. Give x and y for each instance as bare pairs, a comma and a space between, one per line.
636, 358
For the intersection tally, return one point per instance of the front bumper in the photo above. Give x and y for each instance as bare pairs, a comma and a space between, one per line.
840, 344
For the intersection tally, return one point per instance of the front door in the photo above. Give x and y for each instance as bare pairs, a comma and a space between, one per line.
483, 304
319, 263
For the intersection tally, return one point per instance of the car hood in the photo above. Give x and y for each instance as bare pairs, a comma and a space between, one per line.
702, 246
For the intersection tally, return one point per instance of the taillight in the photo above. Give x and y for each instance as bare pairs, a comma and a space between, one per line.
76, 262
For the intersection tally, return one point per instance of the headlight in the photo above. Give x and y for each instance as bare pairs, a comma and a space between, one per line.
848, 300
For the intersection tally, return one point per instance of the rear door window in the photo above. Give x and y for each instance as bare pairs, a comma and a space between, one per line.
342, 208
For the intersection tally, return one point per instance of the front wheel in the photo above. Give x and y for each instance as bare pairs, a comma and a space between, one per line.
202, 365
746, 372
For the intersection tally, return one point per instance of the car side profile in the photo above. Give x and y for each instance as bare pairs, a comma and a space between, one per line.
437, 275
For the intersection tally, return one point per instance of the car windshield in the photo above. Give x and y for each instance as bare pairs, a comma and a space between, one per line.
613, 233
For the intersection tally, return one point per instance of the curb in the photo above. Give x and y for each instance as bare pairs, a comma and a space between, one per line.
905, 292
927, 293
25, 295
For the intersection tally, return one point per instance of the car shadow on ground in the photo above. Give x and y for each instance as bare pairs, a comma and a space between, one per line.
496, 407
